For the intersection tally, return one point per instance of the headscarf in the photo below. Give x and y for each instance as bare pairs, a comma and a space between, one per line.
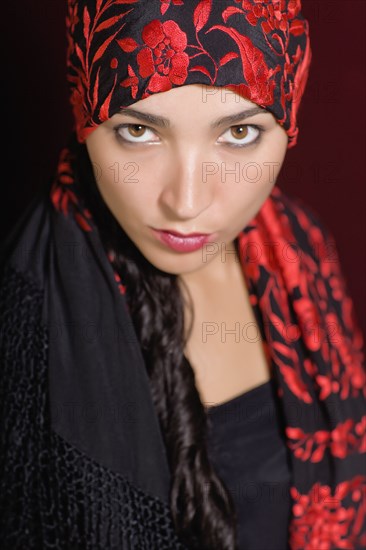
122, 51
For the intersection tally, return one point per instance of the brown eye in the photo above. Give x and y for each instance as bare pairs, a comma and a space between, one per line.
131, 133
239, 132
243, 135
135, 130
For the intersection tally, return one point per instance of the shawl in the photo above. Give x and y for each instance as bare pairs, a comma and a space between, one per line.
83, 463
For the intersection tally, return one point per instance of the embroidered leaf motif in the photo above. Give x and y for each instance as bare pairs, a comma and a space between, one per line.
228, 57
104, 109
127, 44
109, 22
86, 20
201, 69
295, 384
255, 69
230, 11
201, 14
100, 51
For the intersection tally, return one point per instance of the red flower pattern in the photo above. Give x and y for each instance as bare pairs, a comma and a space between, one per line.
348, 437
159, 57
259, 77
322, 520
166, 3
62, 195
163, 58
87, 98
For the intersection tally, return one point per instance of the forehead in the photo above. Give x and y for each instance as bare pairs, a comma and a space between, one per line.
193, 105
193, 112
198, 95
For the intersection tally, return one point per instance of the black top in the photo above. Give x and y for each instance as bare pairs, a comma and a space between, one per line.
247, 448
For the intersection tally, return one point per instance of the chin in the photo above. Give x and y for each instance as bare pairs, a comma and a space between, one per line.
173, 263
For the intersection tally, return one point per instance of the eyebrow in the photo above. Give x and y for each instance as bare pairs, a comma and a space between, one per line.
165, 122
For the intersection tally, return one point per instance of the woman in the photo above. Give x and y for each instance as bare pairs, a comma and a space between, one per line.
121, 378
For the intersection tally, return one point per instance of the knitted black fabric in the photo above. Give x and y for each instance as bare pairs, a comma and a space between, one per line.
51, 494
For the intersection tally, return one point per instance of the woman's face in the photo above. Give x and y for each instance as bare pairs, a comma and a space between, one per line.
191, 173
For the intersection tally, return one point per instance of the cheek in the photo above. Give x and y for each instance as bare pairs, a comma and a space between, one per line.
245, 179
244, 191
125, 187
113, 175
270, 160
252, 171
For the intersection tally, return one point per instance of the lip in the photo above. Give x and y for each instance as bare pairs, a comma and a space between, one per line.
183, 243
183, 235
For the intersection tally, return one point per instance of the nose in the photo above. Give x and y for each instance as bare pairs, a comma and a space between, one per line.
186, 193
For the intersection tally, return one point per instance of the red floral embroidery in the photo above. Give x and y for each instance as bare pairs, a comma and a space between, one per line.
61, 194
131, 82
327, 326
166, 3
298, 87
161, 53
348, 437
322, 519
281, 332
341, 340
277, 13
86, 97
274, 16
72, 18
164, 58
255, 70
117, 278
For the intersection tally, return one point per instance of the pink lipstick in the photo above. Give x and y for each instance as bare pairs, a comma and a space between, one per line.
183, 243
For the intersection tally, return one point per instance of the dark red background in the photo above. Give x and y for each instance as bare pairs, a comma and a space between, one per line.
326, 168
